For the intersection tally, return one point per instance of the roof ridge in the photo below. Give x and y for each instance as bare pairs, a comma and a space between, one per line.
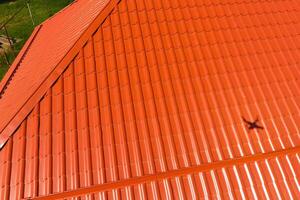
16, 120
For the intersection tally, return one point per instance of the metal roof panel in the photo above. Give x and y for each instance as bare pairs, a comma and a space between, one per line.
160, 100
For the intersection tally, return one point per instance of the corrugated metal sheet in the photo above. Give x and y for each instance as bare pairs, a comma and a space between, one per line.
163, 86
240, 182
53, 40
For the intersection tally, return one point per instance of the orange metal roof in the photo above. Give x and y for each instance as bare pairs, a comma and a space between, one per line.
40, 62
187, 183
146, 98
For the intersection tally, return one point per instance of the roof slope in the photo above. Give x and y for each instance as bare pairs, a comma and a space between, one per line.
157, 93
52, 42
205, 181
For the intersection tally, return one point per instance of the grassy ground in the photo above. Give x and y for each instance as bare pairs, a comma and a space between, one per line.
21, 26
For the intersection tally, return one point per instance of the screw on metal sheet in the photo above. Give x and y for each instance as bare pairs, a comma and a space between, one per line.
252, 125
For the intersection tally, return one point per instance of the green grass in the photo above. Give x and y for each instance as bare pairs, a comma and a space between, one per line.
21, 26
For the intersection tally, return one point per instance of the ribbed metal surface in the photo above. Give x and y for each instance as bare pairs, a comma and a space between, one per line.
252, 182
162, 86
54, 39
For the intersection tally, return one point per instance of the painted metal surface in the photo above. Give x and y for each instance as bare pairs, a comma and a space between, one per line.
163, 87
194, 187
53, 43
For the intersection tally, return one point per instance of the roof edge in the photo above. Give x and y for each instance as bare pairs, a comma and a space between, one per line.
29, 104
24, 49
60, 11
18, 59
